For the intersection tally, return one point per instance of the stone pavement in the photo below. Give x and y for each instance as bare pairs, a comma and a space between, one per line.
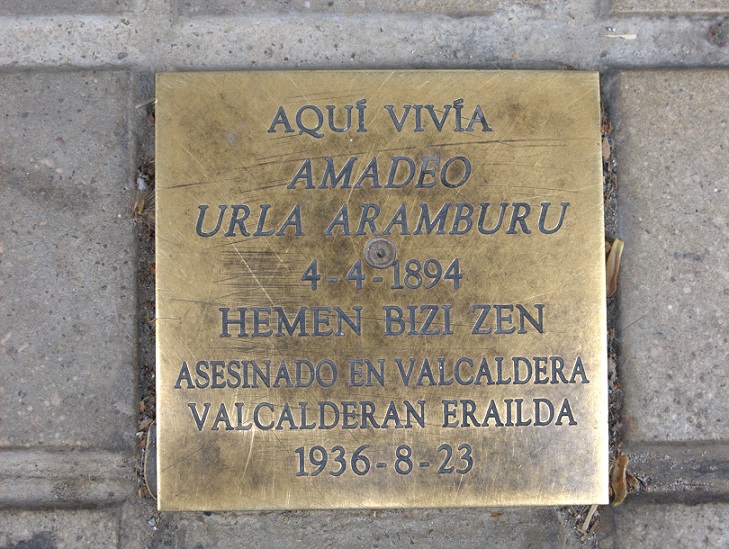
71, 138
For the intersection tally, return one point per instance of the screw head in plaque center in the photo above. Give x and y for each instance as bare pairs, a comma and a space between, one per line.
380, 253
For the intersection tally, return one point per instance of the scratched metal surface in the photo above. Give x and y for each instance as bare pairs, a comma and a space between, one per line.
538, 142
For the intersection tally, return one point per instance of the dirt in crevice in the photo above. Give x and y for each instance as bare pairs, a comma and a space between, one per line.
143, 211
615, 395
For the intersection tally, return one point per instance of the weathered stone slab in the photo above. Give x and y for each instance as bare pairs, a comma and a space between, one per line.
32, 478
666, 7
648, 526
232, 7
691, 472
64, 7
66, 262
51, 529
674, 286
495, 528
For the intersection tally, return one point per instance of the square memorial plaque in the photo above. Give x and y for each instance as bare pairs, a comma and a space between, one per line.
380, 289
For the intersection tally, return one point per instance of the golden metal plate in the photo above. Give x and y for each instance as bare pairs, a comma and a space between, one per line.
380, 289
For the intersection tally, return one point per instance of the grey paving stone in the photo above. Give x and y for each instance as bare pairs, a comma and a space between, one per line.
32, 478
67, 305
673, 188
666, 7
64, 7
423, 528
455, 7
691, 472
51, 529
164, 35
660, 526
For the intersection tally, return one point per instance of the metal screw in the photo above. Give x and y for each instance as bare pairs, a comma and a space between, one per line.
380, 253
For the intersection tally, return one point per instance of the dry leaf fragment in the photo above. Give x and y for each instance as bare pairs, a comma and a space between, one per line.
632, 481
145, 103
612, 268
618, 481
605, 149
585, 525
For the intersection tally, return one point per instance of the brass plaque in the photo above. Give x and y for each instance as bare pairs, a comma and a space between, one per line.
380, 289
